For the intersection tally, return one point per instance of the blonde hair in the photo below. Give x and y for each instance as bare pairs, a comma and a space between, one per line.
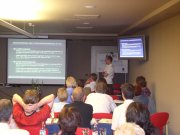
71, 82
129, 129
62, 94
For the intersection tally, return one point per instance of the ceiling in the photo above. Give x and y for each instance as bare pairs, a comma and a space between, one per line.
90, 17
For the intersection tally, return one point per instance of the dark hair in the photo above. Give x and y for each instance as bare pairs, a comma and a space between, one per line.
141, 81
69, 120
139, 114
102, 80
94, 76
31, 97
109, 57
101, 86
128, 90
5, 110
80, 83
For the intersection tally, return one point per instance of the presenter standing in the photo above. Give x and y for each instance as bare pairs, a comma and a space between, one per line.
108, 73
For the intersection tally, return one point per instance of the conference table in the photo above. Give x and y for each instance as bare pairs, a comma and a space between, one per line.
54, 128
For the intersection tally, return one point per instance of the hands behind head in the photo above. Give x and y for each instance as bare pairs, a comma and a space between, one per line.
30, 108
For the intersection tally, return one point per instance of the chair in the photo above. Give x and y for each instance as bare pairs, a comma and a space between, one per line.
34, 130
79, 131
114, 97
56, 114
102, 115
117, 86
159, 120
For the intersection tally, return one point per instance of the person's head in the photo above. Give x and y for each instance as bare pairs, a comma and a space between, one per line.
71, 82
129, 129
69, 120
139, 114
127, 91
108, 59
62, 94
78, 94
80, 83
5, 110
87, 91
101, 87
102, 80
93, 76
31, 97
141, 81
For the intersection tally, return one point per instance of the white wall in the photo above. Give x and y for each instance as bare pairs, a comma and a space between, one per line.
162, 70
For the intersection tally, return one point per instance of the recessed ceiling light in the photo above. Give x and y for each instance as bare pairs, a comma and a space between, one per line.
81, 27
90, 6
86, 23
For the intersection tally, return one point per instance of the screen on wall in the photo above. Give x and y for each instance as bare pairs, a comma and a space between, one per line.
132, 47
38, 60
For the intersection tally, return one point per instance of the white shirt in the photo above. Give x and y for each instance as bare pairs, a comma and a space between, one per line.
102, 103
119, 114
5, 130
109, 69
91, 85
57, 107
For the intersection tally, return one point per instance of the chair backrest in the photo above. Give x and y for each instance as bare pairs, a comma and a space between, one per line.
102, 115
159, 120
79, 131
114, 97
117, 86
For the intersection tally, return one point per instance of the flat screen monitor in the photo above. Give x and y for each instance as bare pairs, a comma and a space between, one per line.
36, 60
132, 47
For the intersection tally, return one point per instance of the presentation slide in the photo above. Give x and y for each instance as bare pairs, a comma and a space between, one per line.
131, 47
38, 60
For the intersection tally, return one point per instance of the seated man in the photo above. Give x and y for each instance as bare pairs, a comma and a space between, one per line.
5, 118
91, 82
119, 114
84, 109
26, 111
101, 102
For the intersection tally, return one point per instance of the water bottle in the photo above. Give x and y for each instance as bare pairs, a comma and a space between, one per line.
95, 130
42, 130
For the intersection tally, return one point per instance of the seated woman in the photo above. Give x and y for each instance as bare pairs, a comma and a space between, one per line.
142, 93
62, 96
138, 113
29, 112
70, 84
101, 102
69, 120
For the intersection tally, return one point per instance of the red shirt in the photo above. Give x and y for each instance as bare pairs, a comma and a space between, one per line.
32, 122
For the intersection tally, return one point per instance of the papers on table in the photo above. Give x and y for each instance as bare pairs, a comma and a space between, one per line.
52, 121
108, 121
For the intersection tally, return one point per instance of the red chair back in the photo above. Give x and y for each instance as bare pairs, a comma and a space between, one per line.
33, 130
102, 115
56, 114
114, 97
79, 131
159, 120
117, 86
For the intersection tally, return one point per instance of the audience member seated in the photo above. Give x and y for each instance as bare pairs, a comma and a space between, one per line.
87, 91
129, 129
142, 93
5, 118
69, 120
101, 102
27, 112
119, 114
139, 114
80, 83
70, 84
62, 96
84, 109
91, 82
